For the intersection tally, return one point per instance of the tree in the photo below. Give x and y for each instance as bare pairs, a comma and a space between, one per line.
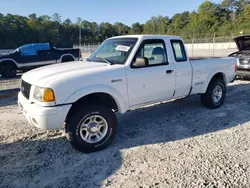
230, 4
178, 23
225, 18
44, 18
136, 28
121, 29
56, 17
150, 27
67, 22
32, 16
162, 23
106, 30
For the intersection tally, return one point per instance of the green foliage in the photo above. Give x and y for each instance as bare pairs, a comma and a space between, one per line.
136, 28
230, 16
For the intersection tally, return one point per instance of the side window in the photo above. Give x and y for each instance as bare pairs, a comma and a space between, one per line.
154, 51
28, 50
179, 50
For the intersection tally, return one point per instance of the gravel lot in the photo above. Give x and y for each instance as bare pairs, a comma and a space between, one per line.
6, 84
175, 144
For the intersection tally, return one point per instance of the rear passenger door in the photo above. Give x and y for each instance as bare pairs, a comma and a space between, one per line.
156, 80
46, 57
183, 67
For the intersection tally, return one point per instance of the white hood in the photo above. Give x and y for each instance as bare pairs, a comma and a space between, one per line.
68, 78
45, 75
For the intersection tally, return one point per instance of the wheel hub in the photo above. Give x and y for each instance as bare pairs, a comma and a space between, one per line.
217, 94
93, 129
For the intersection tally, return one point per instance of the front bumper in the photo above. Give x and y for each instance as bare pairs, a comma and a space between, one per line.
43, 117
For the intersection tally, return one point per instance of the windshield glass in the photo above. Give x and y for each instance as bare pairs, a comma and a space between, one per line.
114, 51
245, 44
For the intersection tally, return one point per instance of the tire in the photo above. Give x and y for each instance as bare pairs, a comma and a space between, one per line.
8, 70
67, 59
207, 98
83, 116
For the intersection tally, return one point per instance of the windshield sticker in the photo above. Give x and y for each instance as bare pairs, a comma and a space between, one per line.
122, 48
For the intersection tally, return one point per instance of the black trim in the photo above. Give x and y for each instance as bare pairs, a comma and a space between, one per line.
25, 89
174, 93
182, 49
54, 105
150, 41
57, 105
156, 65
60, 105
190, 91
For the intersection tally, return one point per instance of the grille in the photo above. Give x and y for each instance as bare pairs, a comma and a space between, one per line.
25, 89
242, 62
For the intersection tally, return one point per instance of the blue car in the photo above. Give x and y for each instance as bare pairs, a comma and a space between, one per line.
35, 55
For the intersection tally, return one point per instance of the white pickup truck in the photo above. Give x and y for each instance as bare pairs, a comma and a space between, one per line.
124, 73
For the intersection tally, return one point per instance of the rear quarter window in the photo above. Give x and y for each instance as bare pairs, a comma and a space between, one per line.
179, 50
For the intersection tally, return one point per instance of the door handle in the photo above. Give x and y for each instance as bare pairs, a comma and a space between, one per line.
169, 71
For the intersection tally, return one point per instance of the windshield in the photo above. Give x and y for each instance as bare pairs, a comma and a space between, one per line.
114, 51
245, 44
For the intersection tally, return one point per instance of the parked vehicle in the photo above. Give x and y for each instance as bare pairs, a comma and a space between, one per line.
31, 56
124, 73
243, 54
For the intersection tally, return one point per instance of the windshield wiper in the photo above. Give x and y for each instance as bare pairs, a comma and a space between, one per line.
106, 60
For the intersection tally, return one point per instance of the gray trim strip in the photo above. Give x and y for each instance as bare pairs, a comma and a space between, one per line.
36, 63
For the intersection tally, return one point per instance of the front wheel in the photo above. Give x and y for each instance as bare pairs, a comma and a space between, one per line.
91, 129
215, 94
8, 70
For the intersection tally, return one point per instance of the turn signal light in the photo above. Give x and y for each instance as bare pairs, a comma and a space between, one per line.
48, 95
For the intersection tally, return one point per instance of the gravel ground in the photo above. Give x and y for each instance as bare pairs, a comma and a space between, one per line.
175, 144
6, 84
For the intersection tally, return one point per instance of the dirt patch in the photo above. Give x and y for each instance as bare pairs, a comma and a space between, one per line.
175, 144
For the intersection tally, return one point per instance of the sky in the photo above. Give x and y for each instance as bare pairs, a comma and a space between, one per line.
125, 11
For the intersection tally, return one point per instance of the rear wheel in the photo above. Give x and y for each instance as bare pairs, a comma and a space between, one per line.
67, 59
215, 94
8, 70
91, 129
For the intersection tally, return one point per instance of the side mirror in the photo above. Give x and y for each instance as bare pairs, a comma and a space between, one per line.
18, 52
140, 62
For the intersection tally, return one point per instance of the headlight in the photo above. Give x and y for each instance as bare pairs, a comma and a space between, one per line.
247, 60
44, 94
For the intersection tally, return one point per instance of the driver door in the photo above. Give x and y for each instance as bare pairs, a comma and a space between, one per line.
154, 81
31, 57
28, 56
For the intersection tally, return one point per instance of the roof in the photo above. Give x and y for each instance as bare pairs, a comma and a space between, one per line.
147, 36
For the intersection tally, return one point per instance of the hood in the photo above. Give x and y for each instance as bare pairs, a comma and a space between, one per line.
64, 71
4, 55
243, 42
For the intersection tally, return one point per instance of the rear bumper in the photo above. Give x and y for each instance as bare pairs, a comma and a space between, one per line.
243, 73
43, 117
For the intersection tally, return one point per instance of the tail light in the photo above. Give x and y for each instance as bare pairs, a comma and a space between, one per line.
235, 67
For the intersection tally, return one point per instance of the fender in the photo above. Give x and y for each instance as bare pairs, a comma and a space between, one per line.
60, 60
119, 99
9, 59
210, 76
